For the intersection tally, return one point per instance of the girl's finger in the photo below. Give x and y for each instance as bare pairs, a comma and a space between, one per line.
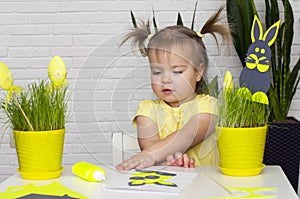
170, 160
179, 159
142, 165
192, 163
132, 164
186, 160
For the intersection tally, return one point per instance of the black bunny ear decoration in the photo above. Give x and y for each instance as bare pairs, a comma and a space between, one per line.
255, 75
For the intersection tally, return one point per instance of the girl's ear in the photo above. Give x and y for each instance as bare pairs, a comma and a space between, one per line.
199, 72
271, 34
256, 31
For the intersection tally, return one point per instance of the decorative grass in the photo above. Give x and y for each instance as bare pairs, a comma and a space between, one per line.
236, 109
44, 105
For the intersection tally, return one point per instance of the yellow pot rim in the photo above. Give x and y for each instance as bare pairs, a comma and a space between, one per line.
52, 131
259, 127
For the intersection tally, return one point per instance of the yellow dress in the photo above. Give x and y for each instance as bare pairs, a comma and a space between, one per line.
169, 119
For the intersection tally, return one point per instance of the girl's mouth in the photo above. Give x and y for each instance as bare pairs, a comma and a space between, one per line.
167, 91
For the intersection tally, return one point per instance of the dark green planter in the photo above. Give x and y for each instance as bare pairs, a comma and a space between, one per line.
283, 149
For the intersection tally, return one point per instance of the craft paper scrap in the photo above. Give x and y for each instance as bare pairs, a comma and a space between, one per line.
45, 191
41, 196
254, 193
151, 180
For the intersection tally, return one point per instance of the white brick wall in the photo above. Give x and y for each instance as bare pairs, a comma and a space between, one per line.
106, 82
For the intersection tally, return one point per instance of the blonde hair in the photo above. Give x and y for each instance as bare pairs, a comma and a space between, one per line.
180, 36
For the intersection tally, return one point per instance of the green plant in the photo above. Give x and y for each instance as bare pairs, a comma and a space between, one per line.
240, 15
212, 87
285, 78
238, 109
43, 104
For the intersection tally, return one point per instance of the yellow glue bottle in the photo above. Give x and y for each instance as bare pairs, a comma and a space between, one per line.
89, 172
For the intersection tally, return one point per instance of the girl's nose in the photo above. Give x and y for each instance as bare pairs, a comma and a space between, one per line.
166, 78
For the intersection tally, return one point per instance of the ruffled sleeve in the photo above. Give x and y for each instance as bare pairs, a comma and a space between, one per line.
207, 104
145, 108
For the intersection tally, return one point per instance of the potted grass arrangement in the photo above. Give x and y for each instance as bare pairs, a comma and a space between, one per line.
244, 109
241, 129
282, 146
37, 116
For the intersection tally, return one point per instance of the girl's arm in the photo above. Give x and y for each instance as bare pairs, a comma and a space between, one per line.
155, 150
147, 132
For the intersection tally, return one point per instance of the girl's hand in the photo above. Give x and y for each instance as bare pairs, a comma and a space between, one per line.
138, 161
181, 160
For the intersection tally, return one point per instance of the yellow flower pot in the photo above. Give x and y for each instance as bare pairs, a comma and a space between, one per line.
40, 153
241, 150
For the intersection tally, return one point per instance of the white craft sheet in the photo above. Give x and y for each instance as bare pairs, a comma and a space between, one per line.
182, 179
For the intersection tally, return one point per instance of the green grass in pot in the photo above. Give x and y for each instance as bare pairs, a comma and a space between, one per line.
237, 109
43, 104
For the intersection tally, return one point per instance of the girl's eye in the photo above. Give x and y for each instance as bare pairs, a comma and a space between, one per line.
156, 73
177, 71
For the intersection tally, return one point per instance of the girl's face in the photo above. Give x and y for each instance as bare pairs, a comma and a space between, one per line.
173, 77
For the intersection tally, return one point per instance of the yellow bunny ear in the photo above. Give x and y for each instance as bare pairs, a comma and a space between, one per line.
57, 71
6, 81
227, 83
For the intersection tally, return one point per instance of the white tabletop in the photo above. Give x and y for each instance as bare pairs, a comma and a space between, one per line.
203, 186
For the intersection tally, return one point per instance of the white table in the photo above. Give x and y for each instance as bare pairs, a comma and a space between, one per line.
201, 187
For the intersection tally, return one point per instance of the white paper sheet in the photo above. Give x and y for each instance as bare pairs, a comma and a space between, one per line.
121, 182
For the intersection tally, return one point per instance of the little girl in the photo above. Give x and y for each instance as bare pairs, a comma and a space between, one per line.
182, 119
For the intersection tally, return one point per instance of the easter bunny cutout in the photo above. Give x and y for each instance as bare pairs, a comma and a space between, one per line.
255, 75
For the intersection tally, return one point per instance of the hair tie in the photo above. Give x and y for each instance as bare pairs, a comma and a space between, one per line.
149, 36
200, 34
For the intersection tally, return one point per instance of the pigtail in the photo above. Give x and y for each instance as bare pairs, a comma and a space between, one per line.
211, 26
139, 36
